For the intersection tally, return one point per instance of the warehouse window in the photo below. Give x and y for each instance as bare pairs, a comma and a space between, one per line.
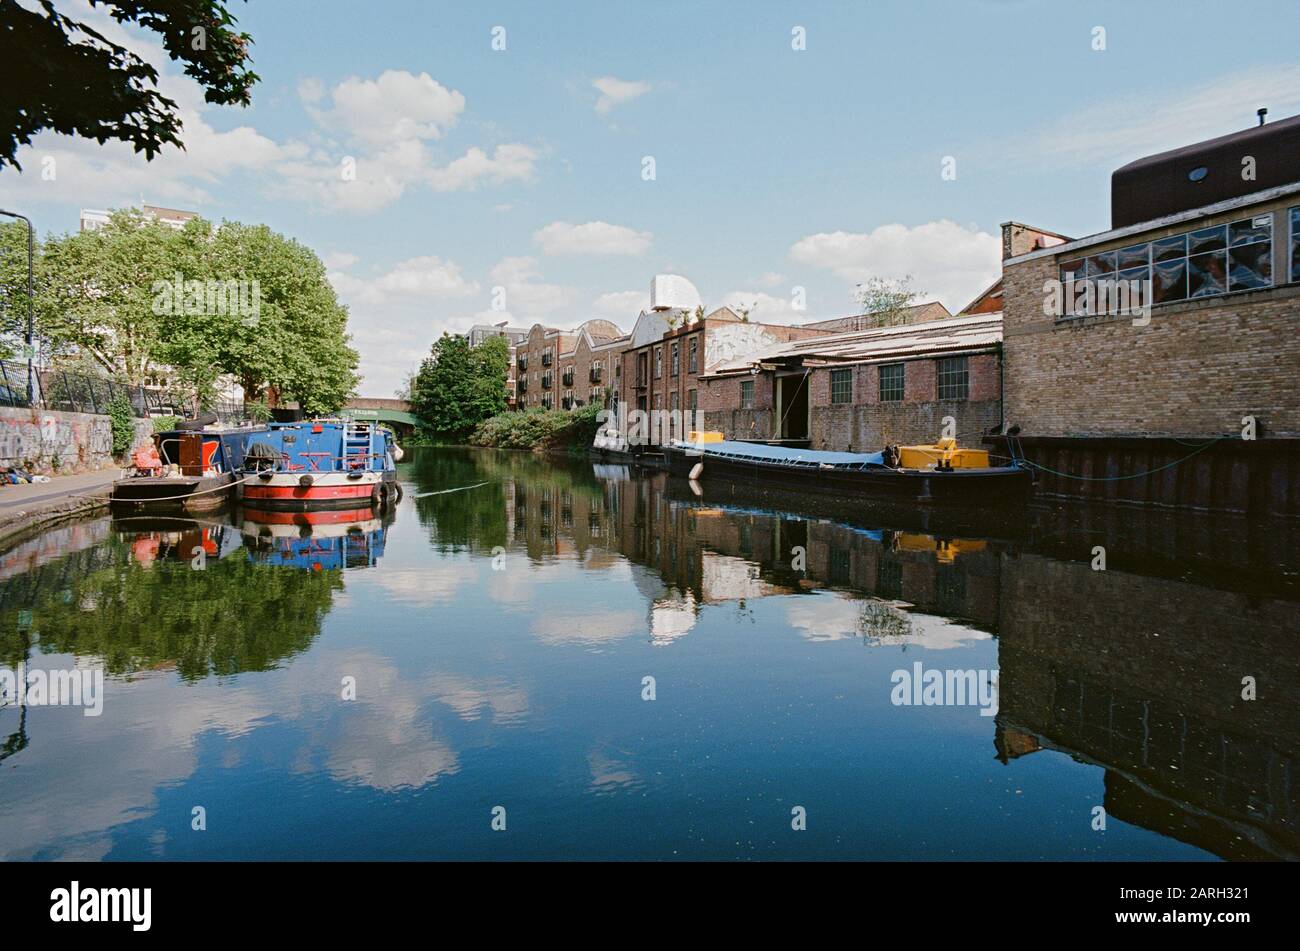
692, 400
677, 358
746, 394
891, 383
954, 378
659, 362
1295, 243
1201, 263
841, 386
693, 365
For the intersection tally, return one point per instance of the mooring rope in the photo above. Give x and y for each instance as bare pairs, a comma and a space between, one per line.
462, 488
167, 498
1120, 478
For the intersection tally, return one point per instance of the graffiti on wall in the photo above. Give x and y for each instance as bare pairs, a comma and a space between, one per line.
47, 440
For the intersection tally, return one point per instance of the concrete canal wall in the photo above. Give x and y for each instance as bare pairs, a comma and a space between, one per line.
49, 441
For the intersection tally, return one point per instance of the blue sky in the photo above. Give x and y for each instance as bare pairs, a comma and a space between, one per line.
775, 168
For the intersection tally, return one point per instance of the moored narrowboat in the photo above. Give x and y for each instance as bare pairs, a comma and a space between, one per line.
315, 540
323, 463
940, 473
190, 470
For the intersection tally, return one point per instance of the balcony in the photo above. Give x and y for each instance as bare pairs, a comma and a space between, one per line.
594, 375
522, 364
546, 381
567, 377
547, 359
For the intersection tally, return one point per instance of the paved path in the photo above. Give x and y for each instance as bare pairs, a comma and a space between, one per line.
18, 498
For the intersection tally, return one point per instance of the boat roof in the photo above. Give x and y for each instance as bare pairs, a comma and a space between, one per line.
784, 455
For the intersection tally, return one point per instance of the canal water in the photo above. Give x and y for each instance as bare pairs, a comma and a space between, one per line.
540, 659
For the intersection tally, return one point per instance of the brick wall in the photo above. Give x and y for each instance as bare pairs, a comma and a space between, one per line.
865, 424
720, 404
1196, 369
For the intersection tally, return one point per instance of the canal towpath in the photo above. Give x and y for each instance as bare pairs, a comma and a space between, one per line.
31, 505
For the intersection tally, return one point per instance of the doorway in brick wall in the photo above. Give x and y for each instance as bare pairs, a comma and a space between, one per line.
792, 407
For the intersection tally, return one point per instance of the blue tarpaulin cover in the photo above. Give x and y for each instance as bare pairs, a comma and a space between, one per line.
782, 455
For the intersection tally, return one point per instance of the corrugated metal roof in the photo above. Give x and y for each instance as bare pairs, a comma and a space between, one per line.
955, 335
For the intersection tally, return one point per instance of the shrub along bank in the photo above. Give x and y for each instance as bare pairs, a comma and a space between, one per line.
539, 429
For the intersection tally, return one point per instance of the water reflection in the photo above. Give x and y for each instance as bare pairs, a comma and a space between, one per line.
502, 623
1137, 669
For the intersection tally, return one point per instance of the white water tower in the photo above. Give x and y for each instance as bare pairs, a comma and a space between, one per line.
673, 292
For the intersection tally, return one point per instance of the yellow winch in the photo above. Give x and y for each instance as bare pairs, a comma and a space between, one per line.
943, 453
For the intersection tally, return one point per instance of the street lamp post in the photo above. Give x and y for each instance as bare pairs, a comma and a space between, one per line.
31, 390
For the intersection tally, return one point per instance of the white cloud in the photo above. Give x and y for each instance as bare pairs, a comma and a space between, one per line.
398, 105
1119, 130
764, 308
527, 296
622, 306
339, 260
592, 238
615, 92
418, 278
770, 279
946, 261
393, 317
511, 162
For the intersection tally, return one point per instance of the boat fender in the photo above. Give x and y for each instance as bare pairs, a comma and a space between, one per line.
264, 476
697, 470
305, 481
354, 474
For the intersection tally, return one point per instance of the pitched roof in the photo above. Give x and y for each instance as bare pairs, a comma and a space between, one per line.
916, 313
954, 335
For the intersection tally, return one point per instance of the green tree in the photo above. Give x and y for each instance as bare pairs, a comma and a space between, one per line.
297, 342
887, 303
457, 386
103, 298
138, 296
63, 75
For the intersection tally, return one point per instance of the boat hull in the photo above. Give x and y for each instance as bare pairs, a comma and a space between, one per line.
293, 491
996, 485
173, 493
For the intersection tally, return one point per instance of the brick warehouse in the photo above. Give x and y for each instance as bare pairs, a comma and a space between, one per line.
1123, 410
554, 368
671, 352
860, 390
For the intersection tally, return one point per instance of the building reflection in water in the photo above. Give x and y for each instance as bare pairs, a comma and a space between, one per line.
1137, 669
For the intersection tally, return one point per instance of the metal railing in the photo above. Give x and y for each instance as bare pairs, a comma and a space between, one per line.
72, 392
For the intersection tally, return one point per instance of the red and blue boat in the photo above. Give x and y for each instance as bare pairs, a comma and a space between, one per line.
319, 464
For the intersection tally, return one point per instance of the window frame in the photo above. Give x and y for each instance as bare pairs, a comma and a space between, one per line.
1190, 258
902, 383
940, 372
842, 386
746, 394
